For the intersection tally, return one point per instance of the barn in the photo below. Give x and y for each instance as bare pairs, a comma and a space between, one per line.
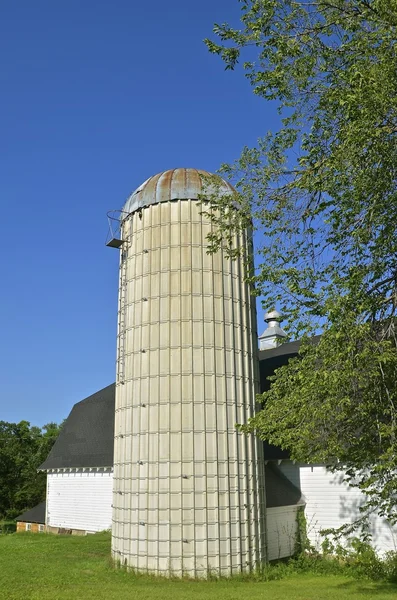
32, 520
80, 478
156, 456
80, 468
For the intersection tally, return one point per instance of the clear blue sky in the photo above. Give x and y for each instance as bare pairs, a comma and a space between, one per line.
96, 96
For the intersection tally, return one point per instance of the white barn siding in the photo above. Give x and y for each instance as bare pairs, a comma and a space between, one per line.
80, 500
330, 503
282, 529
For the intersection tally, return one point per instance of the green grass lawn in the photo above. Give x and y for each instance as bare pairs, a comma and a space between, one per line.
49, 567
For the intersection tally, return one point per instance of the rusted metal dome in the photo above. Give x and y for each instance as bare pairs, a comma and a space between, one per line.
175, 184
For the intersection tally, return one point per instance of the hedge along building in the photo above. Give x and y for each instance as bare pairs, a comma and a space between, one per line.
188, 491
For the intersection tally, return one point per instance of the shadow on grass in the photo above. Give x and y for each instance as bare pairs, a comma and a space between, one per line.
8, 527
371, 590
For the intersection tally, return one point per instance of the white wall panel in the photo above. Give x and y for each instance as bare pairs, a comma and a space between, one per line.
330, 503
282, 530
80, 500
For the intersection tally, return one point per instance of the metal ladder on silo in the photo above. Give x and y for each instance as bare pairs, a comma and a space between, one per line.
122, 317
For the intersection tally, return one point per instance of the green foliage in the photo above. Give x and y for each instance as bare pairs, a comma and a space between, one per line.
302, 540
361, 560
365, 562
321, 194
22, 449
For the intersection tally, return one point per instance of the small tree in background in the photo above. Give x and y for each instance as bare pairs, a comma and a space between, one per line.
22, 449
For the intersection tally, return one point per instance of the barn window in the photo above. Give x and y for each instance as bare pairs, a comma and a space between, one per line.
41, 528
28, 526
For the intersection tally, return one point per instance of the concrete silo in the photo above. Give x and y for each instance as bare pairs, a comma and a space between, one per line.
188, 488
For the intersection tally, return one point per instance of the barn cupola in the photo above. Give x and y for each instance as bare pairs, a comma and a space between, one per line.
273, 334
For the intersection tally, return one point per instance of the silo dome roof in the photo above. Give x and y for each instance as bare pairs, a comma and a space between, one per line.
175, 184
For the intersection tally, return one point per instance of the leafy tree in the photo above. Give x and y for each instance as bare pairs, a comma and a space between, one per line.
22, 449
321, 193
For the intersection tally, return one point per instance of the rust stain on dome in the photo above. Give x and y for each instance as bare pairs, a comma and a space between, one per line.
175, 184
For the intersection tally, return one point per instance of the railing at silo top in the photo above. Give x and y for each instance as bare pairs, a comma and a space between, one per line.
114, 238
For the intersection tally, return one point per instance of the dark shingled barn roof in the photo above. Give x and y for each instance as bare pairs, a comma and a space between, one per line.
34, 515
269, 361
273, 358
86, 438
